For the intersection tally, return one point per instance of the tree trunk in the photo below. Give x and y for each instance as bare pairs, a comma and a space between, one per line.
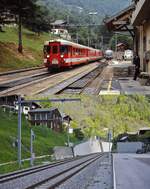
20, 48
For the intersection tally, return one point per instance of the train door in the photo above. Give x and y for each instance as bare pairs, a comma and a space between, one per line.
55, 53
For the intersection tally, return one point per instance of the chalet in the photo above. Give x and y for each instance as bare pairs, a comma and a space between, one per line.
50, 117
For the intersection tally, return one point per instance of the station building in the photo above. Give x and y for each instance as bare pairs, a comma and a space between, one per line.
141, 22
135, 19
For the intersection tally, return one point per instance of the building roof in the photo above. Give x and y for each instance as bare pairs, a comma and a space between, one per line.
32, 103
63, 115
144, 129
43, 110
121, 20
120, 44
141, 12
59, 22
120, 13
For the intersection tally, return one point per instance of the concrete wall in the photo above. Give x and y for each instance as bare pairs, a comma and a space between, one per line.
62, 152
91, 146
128, 147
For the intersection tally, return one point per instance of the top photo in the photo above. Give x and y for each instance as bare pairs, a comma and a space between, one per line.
60, 47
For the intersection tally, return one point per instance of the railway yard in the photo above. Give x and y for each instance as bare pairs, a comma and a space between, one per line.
97, 78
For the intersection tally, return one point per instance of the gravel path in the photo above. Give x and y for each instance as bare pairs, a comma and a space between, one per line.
96, 176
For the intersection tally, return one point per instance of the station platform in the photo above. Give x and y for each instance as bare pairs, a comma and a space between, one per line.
118, 79
131, 171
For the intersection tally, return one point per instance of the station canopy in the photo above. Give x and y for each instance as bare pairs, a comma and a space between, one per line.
121, 22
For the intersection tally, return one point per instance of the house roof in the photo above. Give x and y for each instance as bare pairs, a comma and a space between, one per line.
43, 110
32, 103
59, 22
63, 115
144, 129
120, 44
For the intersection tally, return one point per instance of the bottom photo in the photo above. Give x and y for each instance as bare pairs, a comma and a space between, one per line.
74, 141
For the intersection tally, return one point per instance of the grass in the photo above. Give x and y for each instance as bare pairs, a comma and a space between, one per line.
45, 139
32, 55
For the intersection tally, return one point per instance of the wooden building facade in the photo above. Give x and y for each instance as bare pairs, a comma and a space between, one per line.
49, 117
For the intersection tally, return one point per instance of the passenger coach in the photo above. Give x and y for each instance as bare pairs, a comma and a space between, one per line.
62, 54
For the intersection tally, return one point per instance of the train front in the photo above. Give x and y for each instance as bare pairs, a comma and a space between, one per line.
55, 55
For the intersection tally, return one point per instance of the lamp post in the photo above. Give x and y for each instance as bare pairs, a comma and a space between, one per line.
92, 14
19, 130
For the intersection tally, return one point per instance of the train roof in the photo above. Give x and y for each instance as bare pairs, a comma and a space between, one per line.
65, 42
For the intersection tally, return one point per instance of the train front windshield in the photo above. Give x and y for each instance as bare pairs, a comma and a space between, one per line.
47, 49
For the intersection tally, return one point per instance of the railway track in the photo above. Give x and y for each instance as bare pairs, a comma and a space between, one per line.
22, 80
82, 84
20, 71
34, 84
77, 84
47, 176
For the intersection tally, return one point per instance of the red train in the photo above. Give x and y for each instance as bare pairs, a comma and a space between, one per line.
62, 54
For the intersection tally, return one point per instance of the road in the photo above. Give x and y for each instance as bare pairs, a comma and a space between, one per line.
132, 171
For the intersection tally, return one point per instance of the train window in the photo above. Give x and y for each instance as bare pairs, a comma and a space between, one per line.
47, 49
64, 49
55, 49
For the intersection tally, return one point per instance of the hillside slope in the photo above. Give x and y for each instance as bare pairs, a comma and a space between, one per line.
33, 49
118, 113
107, 7
45, 139
78, 11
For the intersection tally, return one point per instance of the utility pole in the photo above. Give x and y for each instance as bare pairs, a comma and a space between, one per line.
102, 42
19, 130
116, 41
68, 20
68, 133
88, 41
77, 37
31, 147
109, 140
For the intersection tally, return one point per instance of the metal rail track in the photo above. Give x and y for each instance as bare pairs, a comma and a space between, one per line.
24, 172
58, 179
78, 86
65, 170
20, 70
20, 81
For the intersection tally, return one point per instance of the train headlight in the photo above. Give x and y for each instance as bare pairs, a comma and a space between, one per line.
62, 56
48, 56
